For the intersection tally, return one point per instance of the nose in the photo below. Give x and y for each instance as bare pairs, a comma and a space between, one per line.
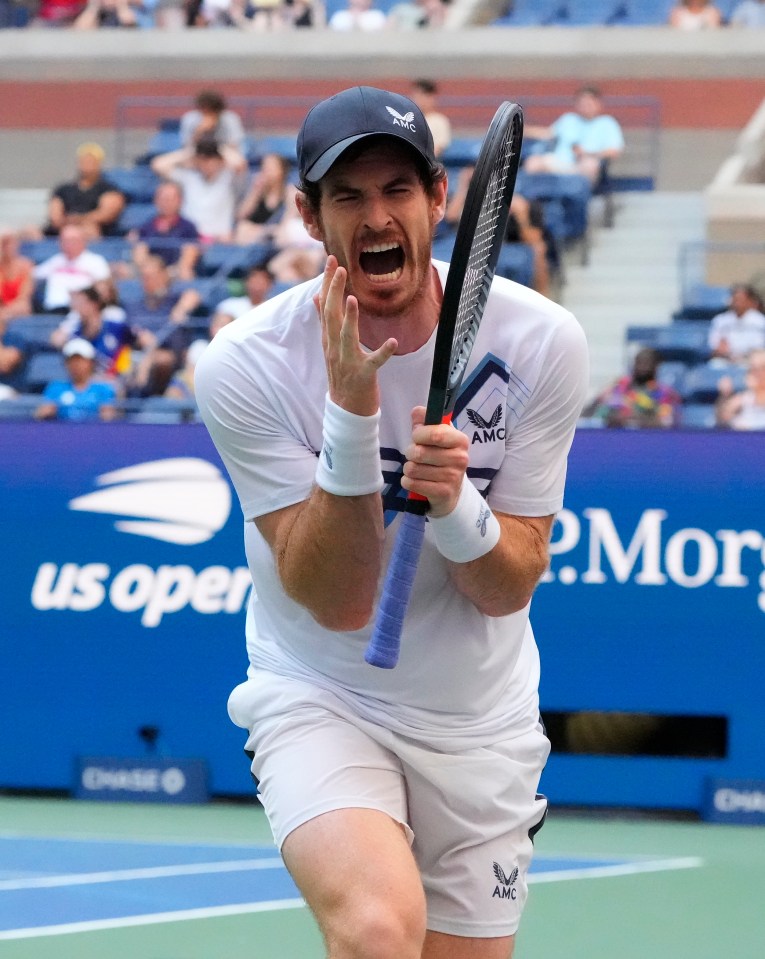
376, 214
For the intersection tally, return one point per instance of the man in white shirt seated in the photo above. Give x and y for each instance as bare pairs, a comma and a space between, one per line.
257, 285
740, 329
74, 268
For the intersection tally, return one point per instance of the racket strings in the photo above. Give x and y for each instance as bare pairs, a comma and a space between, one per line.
478, 277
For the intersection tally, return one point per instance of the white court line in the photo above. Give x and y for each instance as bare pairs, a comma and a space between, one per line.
181, 915
595, 872
618, 869
149, 872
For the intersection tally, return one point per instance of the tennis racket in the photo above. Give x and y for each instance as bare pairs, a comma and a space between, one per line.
480, 233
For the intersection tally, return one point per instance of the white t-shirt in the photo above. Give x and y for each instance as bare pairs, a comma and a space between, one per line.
463, 678
63, 277
743, 333
209, 204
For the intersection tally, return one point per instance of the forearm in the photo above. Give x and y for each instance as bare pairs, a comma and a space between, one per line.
328, 553
503, 580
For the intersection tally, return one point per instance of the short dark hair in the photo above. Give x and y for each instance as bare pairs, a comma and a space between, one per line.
210, 100
207, 146
92, 294
590, 90
426, 86
429, 175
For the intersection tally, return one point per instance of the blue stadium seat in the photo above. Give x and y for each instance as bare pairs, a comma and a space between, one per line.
641, 13
285, 146
163, 141
41, 369
462, 151
163, 410
516, 262
443, 247
672, 373
529, 13
39, 250
682, 342
112, 248
697, 416
36, 329
700, 384
19, 407
582, 13
229, 259
135, 215
137, 183
702, 301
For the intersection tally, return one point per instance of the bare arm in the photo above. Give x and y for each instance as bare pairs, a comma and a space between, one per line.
233, 158
164, 164
186, 266
538, 132
501, 581
56, 212
188, 301
328, 550
110, 205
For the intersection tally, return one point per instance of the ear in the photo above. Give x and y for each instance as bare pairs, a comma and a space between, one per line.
438, 202
311, 221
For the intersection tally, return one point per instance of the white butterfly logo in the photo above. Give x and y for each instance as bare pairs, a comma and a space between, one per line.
406, 120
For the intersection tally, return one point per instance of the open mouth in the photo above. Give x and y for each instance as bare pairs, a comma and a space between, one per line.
382, 261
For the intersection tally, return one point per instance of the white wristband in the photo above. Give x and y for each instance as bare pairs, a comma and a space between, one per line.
349, 462
469, 531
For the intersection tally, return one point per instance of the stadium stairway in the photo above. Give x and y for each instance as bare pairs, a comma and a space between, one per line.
632, 277
20, 208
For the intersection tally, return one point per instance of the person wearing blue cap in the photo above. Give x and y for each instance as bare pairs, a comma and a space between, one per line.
404, 801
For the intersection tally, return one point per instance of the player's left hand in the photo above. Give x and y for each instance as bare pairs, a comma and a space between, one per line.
436, 461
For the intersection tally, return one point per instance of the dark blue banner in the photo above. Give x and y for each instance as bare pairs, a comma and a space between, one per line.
124, 588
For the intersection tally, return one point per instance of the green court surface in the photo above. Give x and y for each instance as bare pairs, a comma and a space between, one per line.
664, 889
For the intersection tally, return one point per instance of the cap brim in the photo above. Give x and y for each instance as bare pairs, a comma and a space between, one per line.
330, 156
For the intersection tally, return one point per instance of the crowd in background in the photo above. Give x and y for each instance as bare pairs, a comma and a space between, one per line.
343, 15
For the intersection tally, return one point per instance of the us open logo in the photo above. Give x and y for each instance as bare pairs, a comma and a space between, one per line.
180, 501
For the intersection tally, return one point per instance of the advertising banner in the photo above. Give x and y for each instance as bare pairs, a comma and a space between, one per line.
124, 589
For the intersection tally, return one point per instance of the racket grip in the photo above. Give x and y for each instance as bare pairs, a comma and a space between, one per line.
385, 644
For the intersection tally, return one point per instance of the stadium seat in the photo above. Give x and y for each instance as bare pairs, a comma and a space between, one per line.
229, 259
516, 262
674, 341
112, 248
700, 384
583, 13
36, 329
40, 250
443, 247
461, 152
19, 407
137, 183
702, 301
641, 13
41, 369
162, 410
697, 416
258, 147
135, 215
672, 373
529, 13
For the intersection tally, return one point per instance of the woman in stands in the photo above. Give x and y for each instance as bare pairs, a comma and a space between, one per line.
265, 201
16, 280
695, 15
744, 410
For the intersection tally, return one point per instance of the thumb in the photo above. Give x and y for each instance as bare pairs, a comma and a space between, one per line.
418, 416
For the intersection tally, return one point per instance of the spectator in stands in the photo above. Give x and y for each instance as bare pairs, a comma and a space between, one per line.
744, 410
158, 324
358, 15
584, 139
211, 175
638, 399
168, 235
181, 386
417, 15
16, 279
303, 13
73, 268
257, 285
14, 352
265, 201
299, 256
734, 333
107, 13
749, 13
57, 13
110, 338
525, 224
425, 94
82, 396
90, 201
695, 15
211, 119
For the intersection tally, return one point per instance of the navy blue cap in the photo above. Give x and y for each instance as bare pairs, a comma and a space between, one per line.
334, 124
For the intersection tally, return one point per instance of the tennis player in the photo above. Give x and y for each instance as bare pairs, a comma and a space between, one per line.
404, 801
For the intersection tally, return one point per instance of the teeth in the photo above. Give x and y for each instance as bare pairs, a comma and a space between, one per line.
380, 248
380, 277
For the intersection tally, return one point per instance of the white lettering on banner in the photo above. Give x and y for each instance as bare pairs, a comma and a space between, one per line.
739, 800
689, 557
156, 593
98, 779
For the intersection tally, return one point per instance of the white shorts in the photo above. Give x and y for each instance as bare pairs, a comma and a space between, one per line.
470, 816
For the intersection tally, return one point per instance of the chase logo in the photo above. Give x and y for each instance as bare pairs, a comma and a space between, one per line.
183, 500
